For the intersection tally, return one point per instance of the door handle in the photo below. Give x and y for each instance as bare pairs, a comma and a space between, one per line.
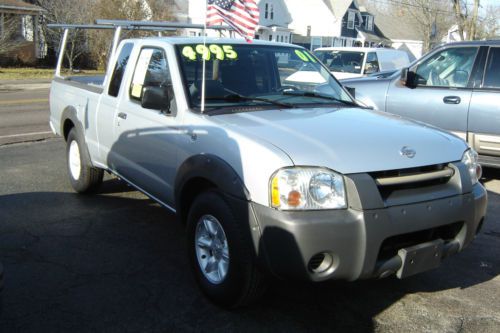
122, 115
452, 100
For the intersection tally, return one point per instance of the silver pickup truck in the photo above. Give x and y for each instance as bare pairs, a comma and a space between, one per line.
280, 173
455, 87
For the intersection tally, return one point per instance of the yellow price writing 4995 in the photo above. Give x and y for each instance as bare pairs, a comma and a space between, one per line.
209, 52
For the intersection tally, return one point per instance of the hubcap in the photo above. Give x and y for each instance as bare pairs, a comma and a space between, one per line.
212, 250
74, 160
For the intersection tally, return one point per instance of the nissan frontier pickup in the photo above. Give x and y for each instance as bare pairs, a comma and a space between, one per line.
274, 174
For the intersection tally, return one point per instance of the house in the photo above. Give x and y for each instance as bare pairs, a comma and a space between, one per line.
398, 28
320, 23
20, 31
273, 21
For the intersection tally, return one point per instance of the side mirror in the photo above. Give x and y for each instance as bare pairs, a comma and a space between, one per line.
407, 78
351, 91
155, 98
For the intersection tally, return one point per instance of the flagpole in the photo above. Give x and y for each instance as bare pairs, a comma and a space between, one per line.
204, 64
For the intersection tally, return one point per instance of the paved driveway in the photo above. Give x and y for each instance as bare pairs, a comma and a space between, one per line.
116, 262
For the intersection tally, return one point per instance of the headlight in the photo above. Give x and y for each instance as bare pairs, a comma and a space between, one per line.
470, 159
301, 188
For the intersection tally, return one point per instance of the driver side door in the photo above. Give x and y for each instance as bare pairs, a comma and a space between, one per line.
443, 90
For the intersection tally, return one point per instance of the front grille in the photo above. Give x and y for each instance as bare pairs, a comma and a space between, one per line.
411, 178
391, 245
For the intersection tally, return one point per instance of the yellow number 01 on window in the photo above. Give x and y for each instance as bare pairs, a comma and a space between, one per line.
213, 51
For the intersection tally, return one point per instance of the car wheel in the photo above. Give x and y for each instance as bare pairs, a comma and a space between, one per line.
83, 176
221, 253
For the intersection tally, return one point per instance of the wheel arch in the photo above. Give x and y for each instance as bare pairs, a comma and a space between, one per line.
69, 119
200, 173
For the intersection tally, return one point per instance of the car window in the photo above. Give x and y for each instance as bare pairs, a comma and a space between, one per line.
491, 75
152, 70
279, 73
372, 65
342, 61
448, 68
120, 66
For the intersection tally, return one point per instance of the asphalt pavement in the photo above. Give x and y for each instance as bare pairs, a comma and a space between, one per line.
116, 262
24, 111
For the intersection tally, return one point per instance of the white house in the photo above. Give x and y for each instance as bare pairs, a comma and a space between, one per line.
273, 22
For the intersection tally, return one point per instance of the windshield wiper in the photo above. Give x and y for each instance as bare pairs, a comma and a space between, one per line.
318, 95
241, 98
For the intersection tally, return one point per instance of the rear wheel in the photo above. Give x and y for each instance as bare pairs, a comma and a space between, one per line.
221, 254
83, 176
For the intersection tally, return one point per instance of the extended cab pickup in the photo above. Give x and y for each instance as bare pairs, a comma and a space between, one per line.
273, 176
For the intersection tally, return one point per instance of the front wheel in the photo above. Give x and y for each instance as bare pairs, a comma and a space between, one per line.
83, 176
221, 254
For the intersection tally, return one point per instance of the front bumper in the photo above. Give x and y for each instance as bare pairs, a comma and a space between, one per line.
363, 242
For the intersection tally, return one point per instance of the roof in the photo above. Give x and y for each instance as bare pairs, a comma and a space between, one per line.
393, 26
360, 49
338, 7
19, 6
493, 42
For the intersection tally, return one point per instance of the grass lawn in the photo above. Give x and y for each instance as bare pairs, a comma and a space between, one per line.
27, 73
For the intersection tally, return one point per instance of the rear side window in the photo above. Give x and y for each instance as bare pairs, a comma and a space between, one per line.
120, 66
372, 63
492, 76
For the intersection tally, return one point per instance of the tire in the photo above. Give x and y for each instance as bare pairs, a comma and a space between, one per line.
84, 178
242, 283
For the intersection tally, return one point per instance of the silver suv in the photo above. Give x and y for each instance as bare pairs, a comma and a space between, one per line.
455, 87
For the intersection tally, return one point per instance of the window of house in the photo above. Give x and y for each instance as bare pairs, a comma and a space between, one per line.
270, 37
491, 77
266, 11
369, 23
448, 68
272, 12
351, 15
119, 71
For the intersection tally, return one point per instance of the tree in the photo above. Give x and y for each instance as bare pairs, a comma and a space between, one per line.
65, 11
466, 18
133, 10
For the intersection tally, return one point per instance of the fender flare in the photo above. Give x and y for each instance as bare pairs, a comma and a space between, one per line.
70, 113
209, 168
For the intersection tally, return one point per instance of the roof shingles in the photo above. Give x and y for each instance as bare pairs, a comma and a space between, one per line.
19, 5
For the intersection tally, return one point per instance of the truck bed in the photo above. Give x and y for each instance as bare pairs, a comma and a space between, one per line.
96, 80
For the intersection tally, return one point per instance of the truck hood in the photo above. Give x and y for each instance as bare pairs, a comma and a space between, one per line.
348, 140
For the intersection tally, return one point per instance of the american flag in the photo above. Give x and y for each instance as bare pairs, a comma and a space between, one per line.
241, 15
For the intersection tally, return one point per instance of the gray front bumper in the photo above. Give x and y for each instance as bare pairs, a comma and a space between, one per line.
355, 237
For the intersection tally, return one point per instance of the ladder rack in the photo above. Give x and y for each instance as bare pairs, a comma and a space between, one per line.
118, 26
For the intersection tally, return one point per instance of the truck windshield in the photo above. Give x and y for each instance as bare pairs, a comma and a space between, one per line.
342, 61
257, 75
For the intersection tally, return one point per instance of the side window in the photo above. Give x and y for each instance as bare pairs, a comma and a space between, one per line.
119, 71
372, 63
448, 68
491, 75
152, 70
